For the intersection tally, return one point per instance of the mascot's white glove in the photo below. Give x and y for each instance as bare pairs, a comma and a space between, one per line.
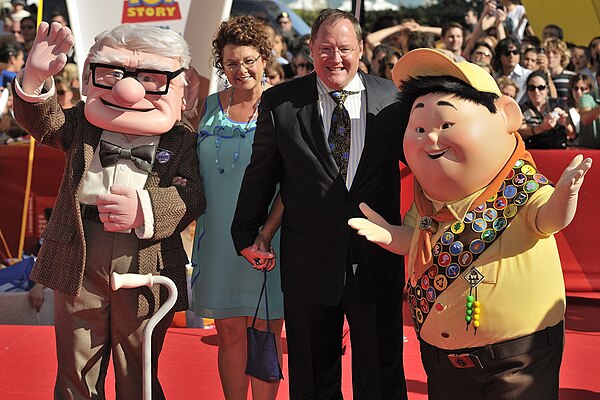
120, 210
560, 209
374, 227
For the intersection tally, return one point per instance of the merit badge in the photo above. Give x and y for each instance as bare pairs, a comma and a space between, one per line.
510, 211
456, 248
444, 259
457, 227
432, 271
531, 186
521, 198
418, 292
490, 214
539, 178
510, 174
465, 258
430, 294
437, 249
419, 315
440, 282
500, 203
470, 216
452, 271
480, 208
447, 238
488, 235
509, 191
479, 225
528, 169
519, 179
424, 306
477, 246
500, 224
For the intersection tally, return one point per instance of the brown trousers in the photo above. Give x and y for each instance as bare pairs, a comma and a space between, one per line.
100, 322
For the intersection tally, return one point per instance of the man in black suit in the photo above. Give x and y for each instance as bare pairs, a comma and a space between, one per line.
327, 270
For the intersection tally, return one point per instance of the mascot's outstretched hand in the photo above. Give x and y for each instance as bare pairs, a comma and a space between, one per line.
377, 230
572, 178
48, 55
120, 210
562, 205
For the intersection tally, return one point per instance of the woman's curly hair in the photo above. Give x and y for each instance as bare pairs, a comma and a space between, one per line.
243, 30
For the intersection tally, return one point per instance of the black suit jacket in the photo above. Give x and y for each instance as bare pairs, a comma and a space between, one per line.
290, 149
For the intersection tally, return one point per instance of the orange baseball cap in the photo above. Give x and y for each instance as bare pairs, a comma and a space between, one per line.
430, 62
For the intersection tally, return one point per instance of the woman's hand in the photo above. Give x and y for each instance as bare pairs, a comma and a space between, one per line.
550, 120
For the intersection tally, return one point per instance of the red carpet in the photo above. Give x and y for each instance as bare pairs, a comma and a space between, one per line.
188, 364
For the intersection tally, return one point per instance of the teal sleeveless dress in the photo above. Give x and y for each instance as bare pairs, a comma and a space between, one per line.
225, 285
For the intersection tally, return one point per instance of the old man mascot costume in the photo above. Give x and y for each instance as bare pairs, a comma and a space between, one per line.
485, 286
116, 210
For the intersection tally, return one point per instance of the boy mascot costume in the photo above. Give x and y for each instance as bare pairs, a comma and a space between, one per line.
116, 210
485, 286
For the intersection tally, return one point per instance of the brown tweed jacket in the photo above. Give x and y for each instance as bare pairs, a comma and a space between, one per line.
61, 260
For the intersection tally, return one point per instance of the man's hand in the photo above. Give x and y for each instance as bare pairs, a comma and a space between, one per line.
374, 227
260, 254
48, 55
120, 210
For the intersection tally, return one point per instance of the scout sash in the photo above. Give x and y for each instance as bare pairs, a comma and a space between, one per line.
463, 243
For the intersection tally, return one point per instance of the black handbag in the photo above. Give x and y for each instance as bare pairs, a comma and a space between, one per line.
262, 361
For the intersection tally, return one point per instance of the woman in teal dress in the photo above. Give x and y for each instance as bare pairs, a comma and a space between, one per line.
224, 285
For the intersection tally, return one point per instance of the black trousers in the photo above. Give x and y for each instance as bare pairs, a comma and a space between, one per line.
521, 369
314, 340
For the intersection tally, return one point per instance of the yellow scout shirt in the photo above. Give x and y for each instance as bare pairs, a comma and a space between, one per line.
523, 289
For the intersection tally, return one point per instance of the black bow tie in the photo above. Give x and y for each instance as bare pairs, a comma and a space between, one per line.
142, 156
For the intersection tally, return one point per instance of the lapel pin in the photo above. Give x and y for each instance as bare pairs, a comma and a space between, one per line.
163, 156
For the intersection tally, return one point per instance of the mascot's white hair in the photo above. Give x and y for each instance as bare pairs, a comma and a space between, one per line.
142, 38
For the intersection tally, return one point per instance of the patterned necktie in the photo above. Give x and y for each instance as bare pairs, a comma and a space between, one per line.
339, 132
141, 156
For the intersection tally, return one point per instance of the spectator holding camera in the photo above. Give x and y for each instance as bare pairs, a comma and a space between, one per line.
545, 124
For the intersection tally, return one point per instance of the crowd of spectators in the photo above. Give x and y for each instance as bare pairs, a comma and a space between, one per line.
500, 39
18, 28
